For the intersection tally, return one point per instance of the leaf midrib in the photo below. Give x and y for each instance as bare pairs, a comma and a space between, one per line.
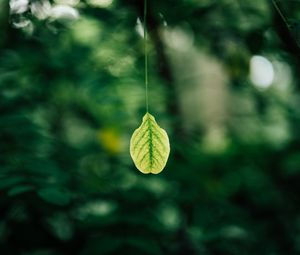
150, 143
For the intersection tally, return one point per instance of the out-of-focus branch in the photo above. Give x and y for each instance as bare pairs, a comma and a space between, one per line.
282, 29
288, 40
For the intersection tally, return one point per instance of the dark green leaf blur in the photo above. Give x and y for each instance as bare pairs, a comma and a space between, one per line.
223, 81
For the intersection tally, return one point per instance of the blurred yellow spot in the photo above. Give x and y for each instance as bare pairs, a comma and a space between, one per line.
110, 139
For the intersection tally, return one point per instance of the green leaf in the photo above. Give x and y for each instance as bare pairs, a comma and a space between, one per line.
149, 146
20, 189
55, 196
9, 182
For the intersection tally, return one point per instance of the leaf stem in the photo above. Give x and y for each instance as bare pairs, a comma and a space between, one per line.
146, 54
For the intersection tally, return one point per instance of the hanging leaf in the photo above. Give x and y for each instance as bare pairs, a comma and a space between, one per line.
149, 146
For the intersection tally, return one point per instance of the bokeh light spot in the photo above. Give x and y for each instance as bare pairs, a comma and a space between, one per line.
261, 72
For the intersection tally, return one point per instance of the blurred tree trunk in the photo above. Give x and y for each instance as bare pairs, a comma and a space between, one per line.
4, 21
164, 70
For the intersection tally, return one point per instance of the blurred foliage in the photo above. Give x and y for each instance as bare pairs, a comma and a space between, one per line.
71, 94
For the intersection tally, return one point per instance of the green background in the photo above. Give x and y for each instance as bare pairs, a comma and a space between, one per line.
72, 92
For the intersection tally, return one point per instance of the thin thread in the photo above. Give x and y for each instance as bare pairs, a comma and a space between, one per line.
280, 13
146, 54
288, 1
284, 18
